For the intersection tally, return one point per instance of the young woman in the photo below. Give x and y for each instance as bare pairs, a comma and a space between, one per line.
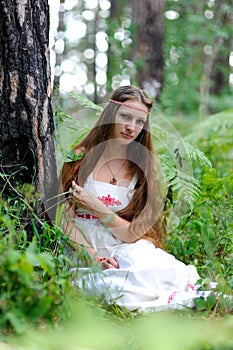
114, 211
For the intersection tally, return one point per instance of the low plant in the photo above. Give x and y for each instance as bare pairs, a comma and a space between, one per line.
34, 283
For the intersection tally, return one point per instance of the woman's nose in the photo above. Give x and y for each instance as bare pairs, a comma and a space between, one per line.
130, 126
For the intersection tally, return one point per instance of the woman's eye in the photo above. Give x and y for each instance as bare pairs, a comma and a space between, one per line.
125, 116
141, 122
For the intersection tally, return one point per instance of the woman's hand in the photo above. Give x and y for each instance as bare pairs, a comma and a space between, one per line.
87, 200
110, 263
84, 198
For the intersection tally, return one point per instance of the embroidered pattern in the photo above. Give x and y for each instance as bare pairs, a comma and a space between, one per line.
108, 200
191, 286
172, 297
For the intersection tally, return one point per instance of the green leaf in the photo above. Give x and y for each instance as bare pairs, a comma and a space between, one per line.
211, 301
73, 157
46, 262
15, 321
200, 304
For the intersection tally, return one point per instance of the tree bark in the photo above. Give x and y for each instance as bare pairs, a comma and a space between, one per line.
26, 121
148, 46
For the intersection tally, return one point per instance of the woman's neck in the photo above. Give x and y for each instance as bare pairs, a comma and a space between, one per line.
114, 151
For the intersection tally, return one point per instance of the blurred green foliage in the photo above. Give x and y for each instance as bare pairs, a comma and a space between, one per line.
198, 43
34, 283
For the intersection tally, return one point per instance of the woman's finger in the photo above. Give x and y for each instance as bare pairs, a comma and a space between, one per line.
76, 188
113, 262
110, 263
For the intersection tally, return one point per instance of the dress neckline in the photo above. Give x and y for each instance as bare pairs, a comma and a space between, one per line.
131, 185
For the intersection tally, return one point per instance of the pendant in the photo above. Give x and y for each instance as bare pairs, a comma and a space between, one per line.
113, 181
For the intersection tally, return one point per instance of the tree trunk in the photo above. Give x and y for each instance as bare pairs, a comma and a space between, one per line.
148, 46
26, 122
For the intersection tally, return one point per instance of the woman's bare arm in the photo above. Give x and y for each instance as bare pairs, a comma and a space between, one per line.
74, 234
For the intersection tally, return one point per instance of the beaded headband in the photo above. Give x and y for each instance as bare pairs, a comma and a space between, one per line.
130, 106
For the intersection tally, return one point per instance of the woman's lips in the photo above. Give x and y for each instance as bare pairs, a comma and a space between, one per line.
127, 136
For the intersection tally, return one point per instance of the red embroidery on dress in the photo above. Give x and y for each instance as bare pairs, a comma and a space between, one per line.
172, 296
109, 200
191, 286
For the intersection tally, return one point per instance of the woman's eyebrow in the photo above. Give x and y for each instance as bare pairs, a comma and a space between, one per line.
132, 115
126, 112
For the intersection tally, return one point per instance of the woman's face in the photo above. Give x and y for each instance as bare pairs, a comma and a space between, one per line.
129, 121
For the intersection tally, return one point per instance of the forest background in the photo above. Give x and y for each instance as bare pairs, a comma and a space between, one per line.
181, 53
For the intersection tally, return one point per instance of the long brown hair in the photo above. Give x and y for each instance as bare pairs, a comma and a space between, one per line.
145, 208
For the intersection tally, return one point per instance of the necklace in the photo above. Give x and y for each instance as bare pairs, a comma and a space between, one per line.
113, 180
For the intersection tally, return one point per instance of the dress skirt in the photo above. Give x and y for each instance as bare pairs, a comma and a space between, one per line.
148, 278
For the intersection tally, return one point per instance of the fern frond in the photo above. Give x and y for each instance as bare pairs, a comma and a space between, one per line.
169, 170
197, 155
176, 156
85, 102
220, 124
175, 145
186, 187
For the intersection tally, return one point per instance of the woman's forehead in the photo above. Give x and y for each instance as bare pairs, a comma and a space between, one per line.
135, 109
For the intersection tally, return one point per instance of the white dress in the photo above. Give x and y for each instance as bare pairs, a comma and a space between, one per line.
148, 278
